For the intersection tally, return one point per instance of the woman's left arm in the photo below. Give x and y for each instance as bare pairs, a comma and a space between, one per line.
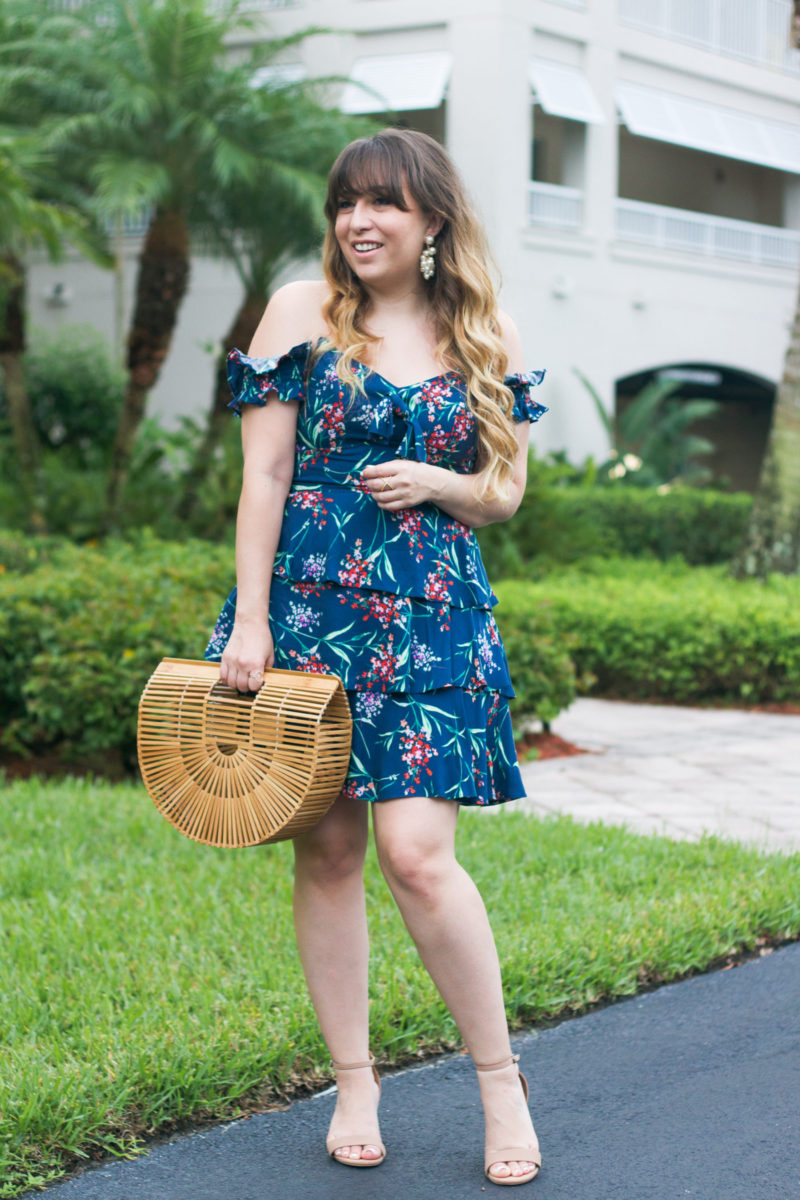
403, 483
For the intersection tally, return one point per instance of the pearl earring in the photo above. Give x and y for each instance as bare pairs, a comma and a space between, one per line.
427, 260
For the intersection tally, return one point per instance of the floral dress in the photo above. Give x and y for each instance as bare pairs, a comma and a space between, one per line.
397, 604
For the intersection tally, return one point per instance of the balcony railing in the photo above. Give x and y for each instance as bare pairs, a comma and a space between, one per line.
554, 206
714, 237
756, 31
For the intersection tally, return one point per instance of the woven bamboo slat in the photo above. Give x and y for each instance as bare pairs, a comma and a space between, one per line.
236, 769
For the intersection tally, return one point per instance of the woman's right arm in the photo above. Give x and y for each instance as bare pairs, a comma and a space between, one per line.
268, 445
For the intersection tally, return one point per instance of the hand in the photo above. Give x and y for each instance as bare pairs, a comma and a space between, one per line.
401, 483
249, 653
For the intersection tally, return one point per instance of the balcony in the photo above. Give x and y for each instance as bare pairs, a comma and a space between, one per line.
755, 31
551, 206
712, 237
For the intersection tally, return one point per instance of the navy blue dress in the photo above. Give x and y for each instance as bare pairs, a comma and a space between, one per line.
397, 604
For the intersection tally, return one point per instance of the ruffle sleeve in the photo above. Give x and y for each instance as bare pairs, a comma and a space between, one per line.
525, 409
252, 379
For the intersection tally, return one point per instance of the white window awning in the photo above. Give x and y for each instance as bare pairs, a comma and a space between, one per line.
397, 82
667, 117
565, 92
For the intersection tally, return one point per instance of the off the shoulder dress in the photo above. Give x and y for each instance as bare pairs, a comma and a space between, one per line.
397, 604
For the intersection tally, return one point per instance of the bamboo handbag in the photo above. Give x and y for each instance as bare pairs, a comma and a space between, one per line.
240, 769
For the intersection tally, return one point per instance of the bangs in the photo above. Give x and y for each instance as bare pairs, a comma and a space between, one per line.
369, 167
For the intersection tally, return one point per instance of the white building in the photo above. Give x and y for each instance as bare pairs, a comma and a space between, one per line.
636, 163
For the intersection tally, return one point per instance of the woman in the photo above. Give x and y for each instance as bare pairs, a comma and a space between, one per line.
395, 435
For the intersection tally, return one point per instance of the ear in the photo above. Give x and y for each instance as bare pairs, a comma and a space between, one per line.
435, 225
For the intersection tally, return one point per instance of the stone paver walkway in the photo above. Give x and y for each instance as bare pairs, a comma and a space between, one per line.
675, 771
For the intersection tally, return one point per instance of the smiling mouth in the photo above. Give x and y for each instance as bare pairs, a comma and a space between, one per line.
365, 247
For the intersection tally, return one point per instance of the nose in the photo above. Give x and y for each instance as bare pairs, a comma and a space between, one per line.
361, 217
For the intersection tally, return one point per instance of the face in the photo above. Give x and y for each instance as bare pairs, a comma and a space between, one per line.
380, 242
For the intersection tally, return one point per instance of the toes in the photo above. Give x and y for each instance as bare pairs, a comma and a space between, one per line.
365, 1152
505, 1170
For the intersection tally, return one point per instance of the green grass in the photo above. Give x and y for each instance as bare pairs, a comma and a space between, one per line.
147, 979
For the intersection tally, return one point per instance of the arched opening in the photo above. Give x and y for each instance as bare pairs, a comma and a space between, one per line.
738, 429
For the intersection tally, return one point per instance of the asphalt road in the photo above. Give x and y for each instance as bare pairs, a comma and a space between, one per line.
689, 1091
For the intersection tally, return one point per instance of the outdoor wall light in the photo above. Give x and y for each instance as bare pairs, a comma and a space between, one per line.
58, 295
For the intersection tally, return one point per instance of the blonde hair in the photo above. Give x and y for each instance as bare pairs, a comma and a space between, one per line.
461, 293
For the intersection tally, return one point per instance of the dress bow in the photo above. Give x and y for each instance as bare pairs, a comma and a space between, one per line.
413, 442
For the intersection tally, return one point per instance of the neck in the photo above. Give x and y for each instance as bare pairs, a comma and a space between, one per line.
398, 303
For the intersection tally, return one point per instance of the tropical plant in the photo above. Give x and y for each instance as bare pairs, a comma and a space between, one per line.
651, 439
30, 217
159, 111
264, 223
772, 539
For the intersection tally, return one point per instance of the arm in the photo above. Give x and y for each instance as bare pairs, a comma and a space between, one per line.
268, 446
413, 482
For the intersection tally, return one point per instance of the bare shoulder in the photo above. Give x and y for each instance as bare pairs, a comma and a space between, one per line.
509, 336
293, 315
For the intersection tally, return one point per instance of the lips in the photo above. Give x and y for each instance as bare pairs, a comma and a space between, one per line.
366, 247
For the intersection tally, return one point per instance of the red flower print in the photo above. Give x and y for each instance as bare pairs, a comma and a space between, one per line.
383, 665
410, 521
416, 754
454, 531
355, 571
312, 664
435, 587
313, 501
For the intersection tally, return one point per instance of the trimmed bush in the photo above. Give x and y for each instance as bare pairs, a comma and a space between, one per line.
565, 524
82, 628
80, 636
673, 633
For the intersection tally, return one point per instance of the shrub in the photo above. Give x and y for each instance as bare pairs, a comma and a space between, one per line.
671, 633
82, 628
79, 637
76, 390
566, 524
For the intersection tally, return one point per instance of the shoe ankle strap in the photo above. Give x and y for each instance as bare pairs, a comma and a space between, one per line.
356, 1066
497, 1066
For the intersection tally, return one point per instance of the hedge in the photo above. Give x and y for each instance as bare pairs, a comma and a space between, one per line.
81, 629
565, 524
668, 632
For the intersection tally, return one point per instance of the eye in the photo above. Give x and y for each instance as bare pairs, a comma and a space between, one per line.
382, 200
343, 204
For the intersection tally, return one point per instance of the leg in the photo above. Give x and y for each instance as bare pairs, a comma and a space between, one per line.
331, 927
445, 915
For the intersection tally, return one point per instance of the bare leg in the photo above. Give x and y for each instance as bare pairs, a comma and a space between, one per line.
445, 915
331, 927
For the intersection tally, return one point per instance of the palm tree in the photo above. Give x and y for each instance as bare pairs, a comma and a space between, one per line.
772, 538
167, 120
31, 216
263, 225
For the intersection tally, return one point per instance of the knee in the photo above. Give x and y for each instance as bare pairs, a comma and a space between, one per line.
329, 859
414, 869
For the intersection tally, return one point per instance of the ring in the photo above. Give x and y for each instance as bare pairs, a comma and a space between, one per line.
386, 484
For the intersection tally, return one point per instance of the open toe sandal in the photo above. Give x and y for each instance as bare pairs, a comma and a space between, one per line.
509, 1154
363, 1138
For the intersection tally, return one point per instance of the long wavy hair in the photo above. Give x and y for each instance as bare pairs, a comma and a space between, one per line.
393, 163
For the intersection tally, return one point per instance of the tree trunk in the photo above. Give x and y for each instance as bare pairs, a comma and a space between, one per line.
772, 538
12, 347
239, 337
161, 283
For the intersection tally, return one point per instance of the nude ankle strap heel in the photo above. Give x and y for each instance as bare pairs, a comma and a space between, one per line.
507, 1154
373, 1138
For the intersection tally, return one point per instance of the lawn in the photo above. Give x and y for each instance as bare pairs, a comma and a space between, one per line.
147, 979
